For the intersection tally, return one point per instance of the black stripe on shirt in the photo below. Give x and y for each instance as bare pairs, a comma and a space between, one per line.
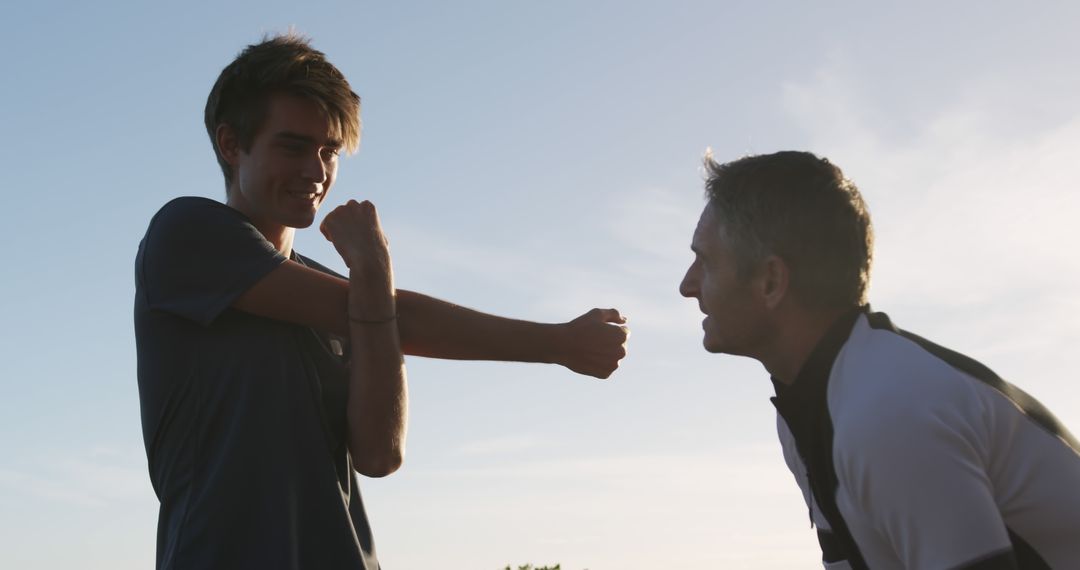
1031, 407
1020, 557
832, 550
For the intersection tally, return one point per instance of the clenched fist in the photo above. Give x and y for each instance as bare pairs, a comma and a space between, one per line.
357, 236
594, 343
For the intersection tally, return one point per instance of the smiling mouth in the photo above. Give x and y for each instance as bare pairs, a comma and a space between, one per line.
310, 196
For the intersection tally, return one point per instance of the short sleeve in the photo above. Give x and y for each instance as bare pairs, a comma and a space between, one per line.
916, 471
198, 256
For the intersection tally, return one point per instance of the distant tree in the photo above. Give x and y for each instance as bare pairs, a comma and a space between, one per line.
531, 567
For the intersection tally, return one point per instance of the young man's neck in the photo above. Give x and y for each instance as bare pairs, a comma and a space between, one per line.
277, 234
797, 337
280, 236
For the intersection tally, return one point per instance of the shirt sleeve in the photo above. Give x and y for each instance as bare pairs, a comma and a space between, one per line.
917, 472
198, 256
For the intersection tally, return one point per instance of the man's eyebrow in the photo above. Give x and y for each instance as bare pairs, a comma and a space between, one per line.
294, 137
297, 137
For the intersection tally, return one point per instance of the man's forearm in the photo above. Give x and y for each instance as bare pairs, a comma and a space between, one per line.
590, 344
435, 328
378, 405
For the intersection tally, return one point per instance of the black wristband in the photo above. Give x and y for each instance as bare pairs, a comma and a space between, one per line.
391, 318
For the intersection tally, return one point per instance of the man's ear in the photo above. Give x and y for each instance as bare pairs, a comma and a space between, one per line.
228, 144
774, 279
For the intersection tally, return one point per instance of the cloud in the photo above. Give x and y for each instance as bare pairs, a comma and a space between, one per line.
644, 247
965, 212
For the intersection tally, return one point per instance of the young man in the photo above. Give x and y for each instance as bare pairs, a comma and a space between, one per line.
909, 455
264, 378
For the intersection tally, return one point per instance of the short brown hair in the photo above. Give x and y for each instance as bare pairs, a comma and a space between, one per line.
280, 64
801, 208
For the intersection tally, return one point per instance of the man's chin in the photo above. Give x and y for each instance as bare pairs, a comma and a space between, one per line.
301, 222
711, 345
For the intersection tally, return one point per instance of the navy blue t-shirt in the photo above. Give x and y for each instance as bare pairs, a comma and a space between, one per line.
243, 417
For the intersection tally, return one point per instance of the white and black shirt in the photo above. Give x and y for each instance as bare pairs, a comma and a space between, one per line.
911, 455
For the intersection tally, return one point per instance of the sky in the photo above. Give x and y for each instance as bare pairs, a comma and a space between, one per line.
535, 160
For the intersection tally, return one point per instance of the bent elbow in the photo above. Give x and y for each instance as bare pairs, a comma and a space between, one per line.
377, 467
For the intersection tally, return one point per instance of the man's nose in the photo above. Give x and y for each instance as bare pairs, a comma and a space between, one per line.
688, 288
314, 170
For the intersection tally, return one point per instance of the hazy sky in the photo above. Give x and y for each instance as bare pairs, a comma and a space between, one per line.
536, 159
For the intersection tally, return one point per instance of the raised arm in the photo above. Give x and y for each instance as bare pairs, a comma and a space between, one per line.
378, 404
591, 344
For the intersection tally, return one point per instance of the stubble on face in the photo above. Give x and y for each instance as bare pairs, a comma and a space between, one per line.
733, 313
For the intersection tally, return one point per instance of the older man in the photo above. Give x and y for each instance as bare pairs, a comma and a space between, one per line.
909, 455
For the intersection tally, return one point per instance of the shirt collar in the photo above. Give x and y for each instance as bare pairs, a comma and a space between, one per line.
813, 376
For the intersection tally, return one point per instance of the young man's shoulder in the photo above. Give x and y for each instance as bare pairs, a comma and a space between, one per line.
189, 208
188, 217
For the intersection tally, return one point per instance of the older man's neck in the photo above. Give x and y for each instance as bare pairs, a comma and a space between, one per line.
795, 340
